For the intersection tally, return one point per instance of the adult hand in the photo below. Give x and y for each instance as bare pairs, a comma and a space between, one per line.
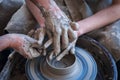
58, 26
62, 31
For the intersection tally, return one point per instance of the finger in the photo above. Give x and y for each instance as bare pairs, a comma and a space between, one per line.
49, 34
56, 41
49, 22
44, 52
65, 52
36, 35
51, 55
35, 45
29, 39
72, 51
72, 35
31, 53
34, 53
41, 35
73, 47
31, 33
48, 43
74, 26
65, 39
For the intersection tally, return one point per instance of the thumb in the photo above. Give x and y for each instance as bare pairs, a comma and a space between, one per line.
74, 26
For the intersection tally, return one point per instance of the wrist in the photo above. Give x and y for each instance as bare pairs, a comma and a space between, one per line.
80, 29
15, 41
12, 40
4, 42
51, 7
47, 4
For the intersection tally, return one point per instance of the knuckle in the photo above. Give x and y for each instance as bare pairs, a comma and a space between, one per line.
58, 31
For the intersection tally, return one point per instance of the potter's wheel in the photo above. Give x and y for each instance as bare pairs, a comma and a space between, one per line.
82, 66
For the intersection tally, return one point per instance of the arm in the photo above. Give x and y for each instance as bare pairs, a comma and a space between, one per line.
100, 19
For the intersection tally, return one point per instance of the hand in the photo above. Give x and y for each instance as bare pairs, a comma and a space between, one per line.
62, 32
22, 44
40, 35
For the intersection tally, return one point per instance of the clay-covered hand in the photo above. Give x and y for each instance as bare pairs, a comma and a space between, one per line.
58, 28
21, 43
62, 32
72, 34
40, 35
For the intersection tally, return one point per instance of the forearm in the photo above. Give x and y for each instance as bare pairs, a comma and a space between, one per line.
48, 5
99, 19
51, 6
36, 12
4, 42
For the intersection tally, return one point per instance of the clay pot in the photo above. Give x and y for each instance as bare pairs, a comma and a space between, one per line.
80, 66
65, 69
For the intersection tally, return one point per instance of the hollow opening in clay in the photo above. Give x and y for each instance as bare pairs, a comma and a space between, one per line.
66, 62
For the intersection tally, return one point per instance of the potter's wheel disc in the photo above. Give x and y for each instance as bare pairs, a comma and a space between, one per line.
86, 70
